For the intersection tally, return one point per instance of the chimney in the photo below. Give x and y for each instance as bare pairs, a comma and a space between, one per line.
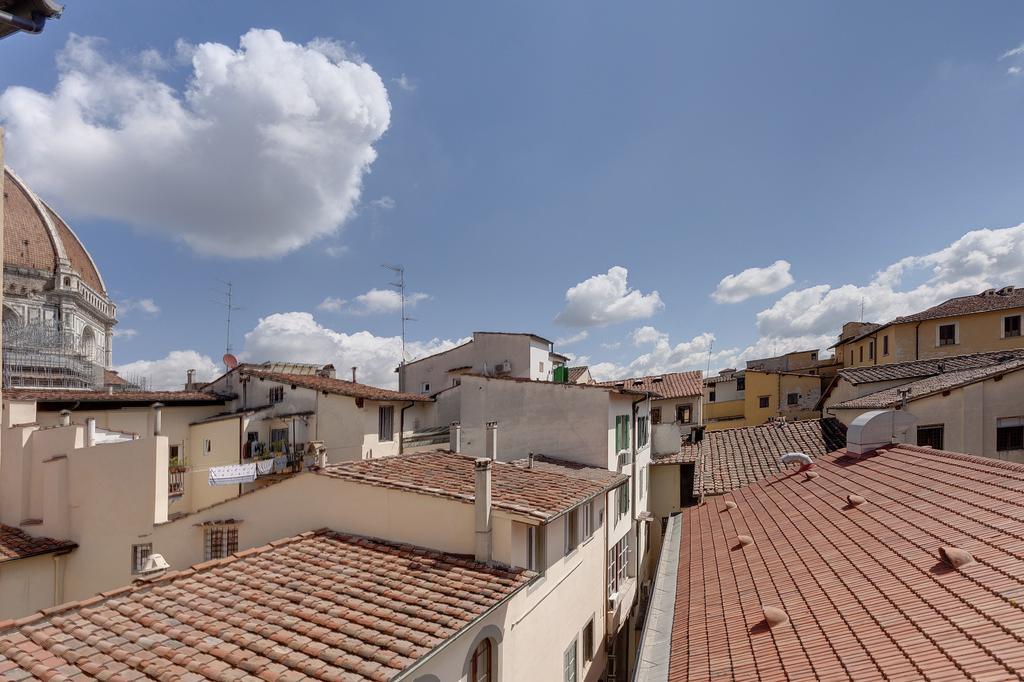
877, 428
529, 461
157, 418
65, 418
491, 443
90, 432
455, 437
327, 371
482, 505
353, 375
190, 380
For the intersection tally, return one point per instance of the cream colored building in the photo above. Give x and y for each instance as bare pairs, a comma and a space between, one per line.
676, 406
750, 397
522, 356
988, 321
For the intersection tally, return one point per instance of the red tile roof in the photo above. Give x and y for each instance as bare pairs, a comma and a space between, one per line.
922, 388
543, 492
524, 380
319, 605
336, 386
17, 544
865, 589
576, 372
733, 458
669, 385
925, 368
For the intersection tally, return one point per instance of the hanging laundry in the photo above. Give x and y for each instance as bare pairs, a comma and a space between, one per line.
233, 474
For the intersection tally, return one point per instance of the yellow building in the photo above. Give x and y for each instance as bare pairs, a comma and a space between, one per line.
989, 321
752, 397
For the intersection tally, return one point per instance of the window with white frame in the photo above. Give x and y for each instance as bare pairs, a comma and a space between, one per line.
219, 541
386, 423
622, 442
140, 553
588, 519
1011, 326
275, 395
946, 335
569, 663
534, 549
621, 501
588, 641
618, 565
1009, 434
572, 530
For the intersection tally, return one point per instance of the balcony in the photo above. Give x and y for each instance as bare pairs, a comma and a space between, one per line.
176, 481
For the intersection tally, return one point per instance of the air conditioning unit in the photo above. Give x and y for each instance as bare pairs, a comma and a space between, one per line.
503, 368
613, 600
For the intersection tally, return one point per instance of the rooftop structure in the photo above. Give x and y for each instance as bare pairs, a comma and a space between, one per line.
668, 385
17, 544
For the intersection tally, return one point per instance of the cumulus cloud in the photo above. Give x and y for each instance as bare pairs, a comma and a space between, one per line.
373, 302
384, 203
607, 299
143, 305
332, 304
126, 334
263, 151
979, 260
405, 83
169, 372
753, 282
571, 339
297, 337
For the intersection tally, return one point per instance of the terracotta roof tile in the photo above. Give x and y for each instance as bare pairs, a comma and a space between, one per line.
322, 605
17, 544
926, 368
865, 590
551, 488
576, 372
733, 458
669, 385
915, 390
335, 386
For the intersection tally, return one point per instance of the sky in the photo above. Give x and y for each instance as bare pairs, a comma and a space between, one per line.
654, 186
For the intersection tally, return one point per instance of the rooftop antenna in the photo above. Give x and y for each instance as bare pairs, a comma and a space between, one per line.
699, 468
228, 303
399, 284
861, 308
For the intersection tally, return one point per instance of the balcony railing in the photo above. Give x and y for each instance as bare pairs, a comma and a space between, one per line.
176, 480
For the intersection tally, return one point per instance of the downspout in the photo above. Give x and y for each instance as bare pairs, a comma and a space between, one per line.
58, 579
401, 427
633, 482
240, 434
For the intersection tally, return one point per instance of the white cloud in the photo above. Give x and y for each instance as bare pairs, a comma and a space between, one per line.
143, 305
169, 372
607, 299
377, 301
336, 251
297, 337
979, 260
615, 345
1015, 52
332, 304
384, 203
574, 338
126, 334
647, 335
262, 152
753, 282
1013, 70
405, 83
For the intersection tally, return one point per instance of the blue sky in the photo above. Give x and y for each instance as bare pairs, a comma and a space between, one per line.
521, 151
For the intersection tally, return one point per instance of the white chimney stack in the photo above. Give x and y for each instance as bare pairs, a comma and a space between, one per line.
455, 437
90, 432
65, 418
482, 506
491, 443
157, 418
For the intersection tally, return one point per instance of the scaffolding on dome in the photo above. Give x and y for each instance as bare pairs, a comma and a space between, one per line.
41, 355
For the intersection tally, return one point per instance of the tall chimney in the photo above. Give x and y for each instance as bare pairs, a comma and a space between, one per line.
455, 437
353, 375
491, 442
529, 461
482, 506
157, 418
90, 432
65, 418
190, 381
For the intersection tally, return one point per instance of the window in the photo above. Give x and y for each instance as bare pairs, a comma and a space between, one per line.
622, 500
1010, 434
425, 388
792, 398
456, 381
861, 353
534, 549
711, 396
275, 395
140, 553
621, 432
588, 641
885, 345
173, 454
684, 413
1011, 326
930, 435
482, 662
947, 334
540, 366
207, 446
219, 542
588, 519
618, 565
871, 350
642, 431
814, 355
386, 423
664, 525
572, 530
278, 439
741, 383
569, 663
763, 401
655, 415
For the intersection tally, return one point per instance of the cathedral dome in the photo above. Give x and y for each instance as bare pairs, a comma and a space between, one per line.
38, 240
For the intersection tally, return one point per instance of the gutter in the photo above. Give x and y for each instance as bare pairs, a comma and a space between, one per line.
401, 427
405, 674
654, 651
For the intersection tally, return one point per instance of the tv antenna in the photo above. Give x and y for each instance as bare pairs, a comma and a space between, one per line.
399, 284
228, 303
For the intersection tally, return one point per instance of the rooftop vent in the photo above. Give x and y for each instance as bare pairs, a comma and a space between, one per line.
800, 458
810, 474
855, 500
955, 557
774, 616
878, 428
657, 379
729, 504
1005, 291
744, 540
987, 292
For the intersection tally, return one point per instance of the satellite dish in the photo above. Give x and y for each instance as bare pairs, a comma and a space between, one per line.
230, 361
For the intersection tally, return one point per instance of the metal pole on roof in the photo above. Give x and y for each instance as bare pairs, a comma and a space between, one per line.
399, 270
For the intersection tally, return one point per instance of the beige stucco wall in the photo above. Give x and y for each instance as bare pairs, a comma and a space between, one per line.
26, 585
225, 441
665, 492
668, 435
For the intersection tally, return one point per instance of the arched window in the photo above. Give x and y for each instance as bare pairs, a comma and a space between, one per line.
89, 343
483, 661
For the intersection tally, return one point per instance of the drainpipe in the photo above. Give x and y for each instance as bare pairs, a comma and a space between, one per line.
455, 437
491, 441
401, 427
633, 482
90, 432
482, 507
917, 341
58, 579
157, 418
